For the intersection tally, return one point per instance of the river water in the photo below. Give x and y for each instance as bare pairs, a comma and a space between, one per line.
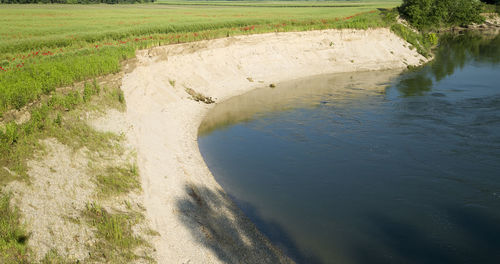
374, 167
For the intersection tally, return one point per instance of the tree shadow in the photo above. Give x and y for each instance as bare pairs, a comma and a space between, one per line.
217, 223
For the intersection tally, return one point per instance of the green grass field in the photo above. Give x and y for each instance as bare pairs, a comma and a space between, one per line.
257, 3
43, 47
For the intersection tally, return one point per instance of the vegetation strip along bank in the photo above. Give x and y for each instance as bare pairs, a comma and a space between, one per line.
61, 47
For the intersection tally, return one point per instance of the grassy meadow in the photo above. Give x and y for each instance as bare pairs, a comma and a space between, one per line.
43, 47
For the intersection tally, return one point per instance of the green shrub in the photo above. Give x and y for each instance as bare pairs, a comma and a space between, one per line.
390, 16
431, 14
432, 39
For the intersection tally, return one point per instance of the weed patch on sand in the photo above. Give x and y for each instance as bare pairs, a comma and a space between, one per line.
13, 234
118, 180
117, 240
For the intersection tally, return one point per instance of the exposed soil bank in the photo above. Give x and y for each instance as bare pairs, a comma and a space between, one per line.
197, 221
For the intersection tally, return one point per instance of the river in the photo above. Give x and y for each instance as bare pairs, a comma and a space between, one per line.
371, 167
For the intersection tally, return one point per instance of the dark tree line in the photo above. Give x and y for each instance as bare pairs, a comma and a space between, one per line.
75, 1
428, 14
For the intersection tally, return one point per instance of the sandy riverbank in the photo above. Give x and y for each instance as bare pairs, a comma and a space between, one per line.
196, 220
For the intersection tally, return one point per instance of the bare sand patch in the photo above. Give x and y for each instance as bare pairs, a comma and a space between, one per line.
51, 204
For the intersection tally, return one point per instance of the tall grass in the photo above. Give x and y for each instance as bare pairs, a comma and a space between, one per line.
37, 77
45, 47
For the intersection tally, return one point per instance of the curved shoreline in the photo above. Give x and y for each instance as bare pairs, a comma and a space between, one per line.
196, 220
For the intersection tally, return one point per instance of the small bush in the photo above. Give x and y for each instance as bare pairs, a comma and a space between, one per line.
432, 39
390, 16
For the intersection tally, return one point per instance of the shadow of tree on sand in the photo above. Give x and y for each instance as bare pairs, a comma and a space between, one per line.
218, 224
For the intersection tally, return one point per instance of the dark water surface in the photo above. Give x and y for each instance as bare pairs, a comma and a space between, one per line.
371, 167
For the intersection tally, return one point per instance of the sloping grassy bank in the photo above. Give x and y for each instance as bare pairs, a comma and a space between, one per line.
43, 48
111, 212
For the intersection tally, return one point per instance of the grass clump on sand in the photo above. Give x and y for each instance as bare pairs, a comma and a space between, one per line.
116, 180
116, 241
13, 235
53, 257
